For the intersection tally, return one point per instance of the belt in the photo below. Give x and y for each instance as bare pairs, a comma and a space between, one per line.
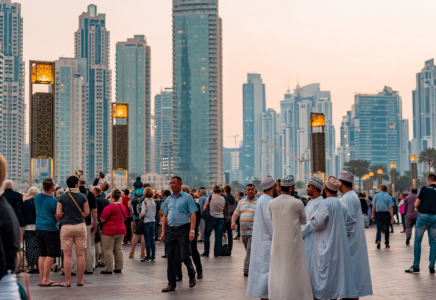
175, 228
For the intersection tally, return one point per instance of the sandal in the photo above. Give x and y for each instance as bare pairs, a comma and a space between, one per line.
169, 288
79, 284
63, 284
49, 285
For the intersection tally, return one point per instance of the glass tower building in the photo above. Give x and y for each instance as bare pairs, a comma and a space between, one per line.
377, 124
133, 87
254, 105
163, 132
12, 105
92, 43
70, 115
197, 94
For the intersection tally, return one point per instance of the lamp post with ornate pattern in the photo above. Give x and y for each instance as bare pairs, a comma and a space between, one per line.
120, 134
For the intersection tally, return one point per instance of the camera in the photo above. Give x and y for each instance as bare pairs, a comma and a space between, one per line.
101, 175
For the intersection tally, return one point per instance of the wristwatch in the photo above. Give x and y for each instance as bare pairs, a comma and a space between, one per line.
193, 231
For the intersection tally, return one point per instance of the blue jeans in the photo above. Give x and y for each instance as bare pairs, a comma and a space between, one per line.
149, 229
423, 223
217, 225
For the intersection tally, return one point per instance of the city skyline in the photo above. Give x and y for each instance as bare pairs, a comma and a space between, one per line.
348, 49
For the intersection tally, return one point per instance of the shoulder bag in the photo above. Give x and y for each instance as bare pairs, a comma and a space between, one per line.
78, 207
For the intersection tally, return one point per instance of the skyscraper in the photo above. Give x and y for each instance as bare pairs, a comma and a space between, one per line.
163, 133
345, 150
254, 105
12, 105
92, 43
424, 109
377, 124
197, 100
271, 135
295, 118
70, 131
133, 87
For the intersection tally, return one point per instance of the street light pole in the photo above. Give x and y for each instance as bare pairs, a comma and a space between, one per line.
371, 181
393, 176
379, 177
414, 170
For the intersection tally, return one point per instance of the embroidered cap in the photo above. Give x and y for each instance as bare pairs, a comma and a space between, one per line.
333, 183
268, 182
315, 181
288, 180
347, 176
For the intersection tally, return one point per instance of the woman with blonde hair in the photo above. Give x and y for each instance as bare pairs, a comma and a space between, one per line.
148, 214
30, 240
113, 217
10, 239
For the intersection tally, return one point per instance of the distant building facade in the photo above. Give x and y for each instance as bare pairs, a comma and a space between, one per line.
254, 105
198, 99
133, 63
163, 133
271, 157
12, 102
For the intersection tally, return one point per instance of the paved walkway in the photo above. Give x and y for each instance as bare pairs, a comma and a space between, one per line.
223, 277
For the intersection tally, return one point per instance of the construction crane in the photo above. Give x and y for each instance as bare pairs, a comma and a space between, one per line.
236, 139
302, 159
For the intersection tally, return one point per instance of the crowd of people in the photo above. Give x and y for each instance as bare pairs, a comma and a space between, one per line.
295, 248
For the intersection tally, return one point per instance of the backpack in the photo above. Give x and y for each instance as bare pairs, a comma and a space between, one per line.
135, 205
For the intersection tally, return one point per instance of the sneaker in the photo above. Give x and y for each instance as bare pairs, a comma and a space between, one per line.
149, 260
143, 255
404, 231
432, 270
412, 270
164, 256
407, 241
204, 255
378, 245
153, 260
131, 255
246, 273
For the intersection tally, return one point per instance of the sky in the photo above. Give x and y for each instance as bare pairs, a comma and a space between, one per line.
348, 46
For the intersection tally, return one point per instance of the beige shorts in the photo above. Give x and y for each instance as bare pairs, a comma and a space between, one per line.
73, 234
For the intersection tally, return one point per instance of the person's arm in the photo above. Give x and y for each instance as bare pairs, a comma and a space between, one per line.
417, 204
94, 218
303, 217
164, 225
206, 205
320, 218
405, 206
350, 220
193, 220
59, 211
95, 183
373, 208
143, 210
105, 214
235, 218
86, 208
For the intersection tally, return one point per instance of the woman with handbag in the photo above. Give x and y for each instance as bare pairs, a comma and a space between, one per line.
72, 208
148, 214
113, 217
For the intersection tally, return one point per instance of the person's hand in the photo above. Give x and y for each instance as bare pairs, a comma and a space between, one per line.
191, 236
373, 218
313, 218
162, 237
98, 177
94, 228
392, 220
233, 227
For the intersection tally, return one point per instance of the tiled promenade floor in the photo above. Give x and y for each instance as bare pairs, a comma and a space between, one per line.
223, 278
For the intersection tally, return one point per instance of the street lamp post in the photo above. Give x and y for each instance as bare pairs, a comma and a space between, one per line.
393, 176
379, 177
317, 147
120, 134
371, 182
414, 170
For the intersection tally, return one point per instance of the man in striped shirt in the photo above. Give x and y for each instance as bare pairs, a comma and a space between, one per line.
245, 212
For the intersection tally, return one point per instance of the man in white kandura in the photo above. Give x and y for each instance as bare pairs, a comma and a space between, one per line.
288, 275
356, 235
257, 286
331, 273
314, 189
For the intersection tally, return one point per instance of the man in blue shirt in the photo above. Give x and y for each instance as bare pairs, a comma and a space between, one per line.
47, 231
178, 230
382, 214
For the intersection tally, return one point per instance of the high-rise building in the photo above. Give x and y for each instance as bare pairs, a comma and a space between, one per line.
345, 150
231, 164
295, 124
377, 123
12, 105
71, 117
197, 84
270, 143
163, 133
133, 87
92, 43
424, 109
253, 106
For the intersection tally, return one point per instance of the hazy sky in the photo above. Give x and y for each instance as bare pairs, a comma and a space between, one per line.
348, 46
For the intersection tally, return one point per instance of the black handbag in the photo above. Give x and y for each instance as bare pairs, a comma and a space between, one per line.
225, 250
98, 235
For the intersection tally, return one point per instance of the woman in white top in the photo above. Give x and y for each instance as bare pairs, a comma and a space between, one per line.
148, 214
216, 204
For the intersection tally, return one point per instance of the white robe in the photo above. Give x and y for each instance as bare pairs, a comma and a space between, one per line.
308, 234
257, 286
357, 242
331, 273
288, 276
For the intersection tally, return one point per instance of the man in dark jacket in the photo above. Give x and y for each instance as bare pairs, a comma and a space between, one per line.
16, 202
